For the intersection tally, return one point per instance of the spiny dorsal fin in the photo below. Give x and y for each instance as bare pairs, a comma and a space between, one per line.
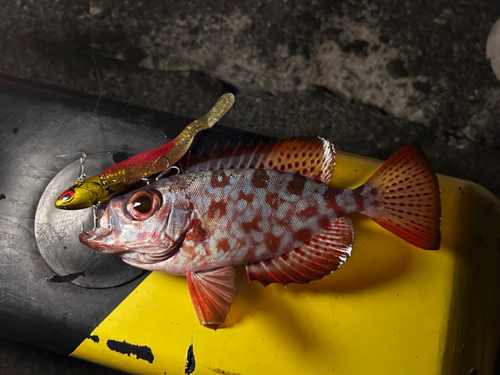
317, 258
309, 156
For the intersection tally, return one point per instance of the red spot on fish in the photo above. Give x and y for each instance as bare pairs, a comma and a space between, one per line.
208, 250
240, 243
296, 185
223, 244
274, 200
272, 242
250, 255
302, 235
251, 225
331, 203
358, 199
190, 251
323, 221
196, 235
307, 212
219, 180
216, 210
246, 197
260, 179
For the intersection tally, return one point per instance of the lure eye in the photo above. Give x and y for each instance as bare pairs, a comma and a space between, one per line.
67, 195
143, 204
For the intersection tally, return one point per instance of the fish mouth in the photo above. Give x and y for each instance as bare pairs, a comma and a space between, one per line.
96, 238
99, 232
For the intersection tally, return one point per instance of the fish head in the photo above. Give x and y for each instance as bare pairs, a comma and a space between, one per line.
83, 194
133, 223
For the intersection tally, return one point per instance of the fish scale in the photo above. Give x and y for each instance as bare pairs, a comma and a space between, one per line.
255, 222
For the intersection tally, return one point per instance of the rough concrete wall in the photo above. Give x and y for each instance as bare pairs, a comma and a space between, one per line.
368, 75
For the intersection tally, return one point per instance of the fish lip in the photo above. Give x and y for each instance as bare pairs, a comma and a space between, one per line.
91, 238
101, 232
84, 238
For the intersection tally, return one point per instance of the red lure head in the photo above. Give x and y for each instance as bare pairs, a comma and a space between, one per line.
67, 195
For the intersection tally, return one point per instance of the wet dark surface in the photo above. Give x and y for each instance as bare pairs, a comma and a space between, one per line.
369, 76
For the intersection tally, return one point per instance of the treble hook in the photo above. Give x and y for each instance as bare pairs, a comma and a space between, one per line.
83, 157
82, 175
83, 228
95, 219
94, 215
167, 169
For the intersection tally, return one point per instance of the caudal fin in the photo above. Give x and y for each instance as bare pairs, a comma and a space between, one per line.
410, 198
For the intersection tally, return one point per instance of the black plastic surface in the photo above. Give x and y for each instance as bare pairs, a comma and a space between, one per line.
37, 124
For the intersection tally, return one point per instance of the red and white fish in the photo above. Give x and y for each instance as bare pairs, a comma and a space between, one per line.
284, 227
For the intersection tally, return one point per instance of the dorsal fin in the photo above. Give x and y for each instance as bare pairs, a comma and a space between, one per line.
308, 156
317, 258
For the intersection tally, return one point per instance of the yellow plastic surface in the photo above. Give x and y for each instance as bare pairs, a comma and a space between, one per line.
391, 309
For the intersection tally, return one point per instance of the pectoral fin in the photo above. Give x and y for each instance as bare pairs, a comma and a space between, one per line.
317, 258
212, 294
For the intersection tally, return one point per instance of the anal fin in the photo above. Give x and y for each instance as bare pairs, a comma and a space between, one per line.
212, 294
319, 257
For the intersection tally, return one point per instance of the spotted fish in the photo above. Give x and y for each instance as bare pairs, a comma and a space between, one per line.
284, 227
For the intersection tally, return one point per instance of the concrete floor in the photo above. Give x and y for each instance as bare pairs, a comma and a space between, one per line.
370, 76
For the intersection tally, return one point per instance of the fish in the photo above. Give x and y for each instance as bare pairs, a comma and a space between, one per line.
97, 189
283, 227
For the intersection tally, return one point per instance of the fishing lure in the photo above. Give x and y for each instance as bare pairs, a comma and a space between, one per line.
94, 190
284, 227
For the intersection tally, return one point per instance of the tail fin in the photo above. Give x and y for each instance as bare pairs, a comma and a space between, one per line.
220, 108
409, 191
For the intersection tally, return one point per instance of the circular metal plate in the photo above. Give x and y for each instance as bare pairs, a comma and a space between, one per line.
57, 231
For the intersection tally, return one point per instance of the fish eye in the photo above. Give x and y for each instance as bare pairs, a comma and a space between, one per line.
143, 204
67, 195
